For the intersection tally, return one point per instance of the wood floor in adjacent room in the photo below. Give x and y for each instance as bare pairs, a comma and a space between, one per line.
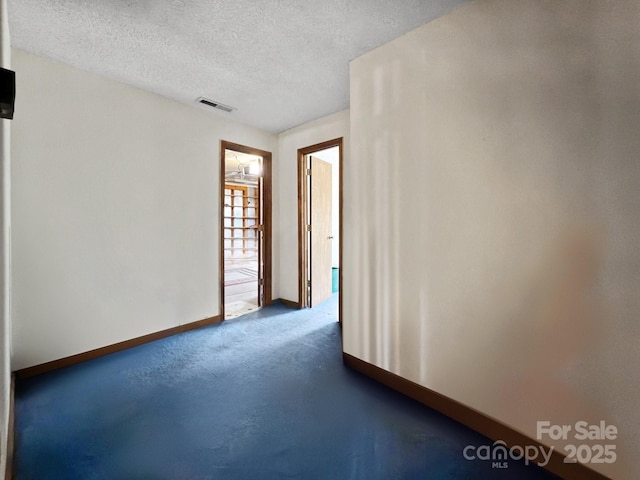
240, 287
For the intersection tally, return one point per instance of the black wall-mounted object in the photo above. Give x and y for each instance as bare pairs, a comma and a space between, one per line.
7, 92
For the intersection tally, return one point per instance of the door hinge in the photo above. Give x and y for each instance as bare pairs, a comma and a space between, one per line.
308, 171
308, 228
261, 282
309, 283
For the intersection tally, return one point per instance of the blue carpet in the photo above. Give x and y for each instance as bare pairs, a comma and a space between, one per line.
265, 396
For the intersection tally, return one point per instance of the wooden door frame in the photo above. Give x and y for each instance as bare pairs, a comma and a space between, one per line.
267, 216
303, 244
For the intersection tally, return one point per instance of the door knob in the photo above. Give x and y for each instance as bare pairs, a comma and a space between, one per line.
329, 238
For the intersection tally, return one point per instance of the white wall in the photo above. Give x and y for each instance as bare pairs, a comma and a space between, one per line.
5, 272
115, 196
326, 128
491, 220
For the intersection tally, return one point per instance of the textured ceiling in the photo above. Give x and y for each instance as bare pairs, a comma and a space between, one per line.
281, 63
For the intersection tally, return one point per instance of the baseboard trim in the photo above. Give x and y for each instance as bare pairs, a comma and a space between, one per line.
290, 304
481, 423
8, 474
116, 347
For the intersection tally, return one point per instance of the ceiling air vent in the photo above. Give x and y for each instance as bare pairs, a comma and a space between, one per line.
214, 104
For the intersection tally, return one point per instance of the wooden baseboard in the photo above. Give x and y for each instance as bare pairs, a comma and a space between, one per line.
116, 347
290, 304
8, 474
481, 423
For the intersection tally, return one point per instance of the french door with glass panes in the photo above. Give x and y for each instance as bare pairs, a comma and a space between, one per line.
242, 227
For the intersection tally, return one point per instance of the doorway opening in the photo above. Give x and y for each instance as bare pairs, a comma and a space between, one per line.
245, 229
320, 169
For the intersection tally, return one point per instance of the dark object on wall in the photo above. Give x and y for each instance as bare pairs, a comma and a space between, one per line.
7, 92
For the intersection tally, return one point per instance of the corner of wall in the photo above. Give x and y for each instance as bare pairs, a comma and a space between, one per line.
5, 270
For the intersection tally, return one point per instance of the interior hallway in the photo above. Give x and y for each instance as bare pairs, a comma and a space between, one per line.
264, 396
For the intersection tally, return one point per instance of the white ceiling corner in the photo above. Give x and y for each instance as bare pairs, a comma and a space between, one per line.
281, 63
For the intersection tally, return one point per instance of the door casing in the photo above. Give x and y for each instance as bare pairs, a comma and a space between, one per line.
303, 246
267, 217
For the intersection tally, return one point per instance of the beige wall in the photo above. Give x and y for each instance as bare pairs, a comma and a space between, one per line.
491, 224
115, 196
5, 252
326, 128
